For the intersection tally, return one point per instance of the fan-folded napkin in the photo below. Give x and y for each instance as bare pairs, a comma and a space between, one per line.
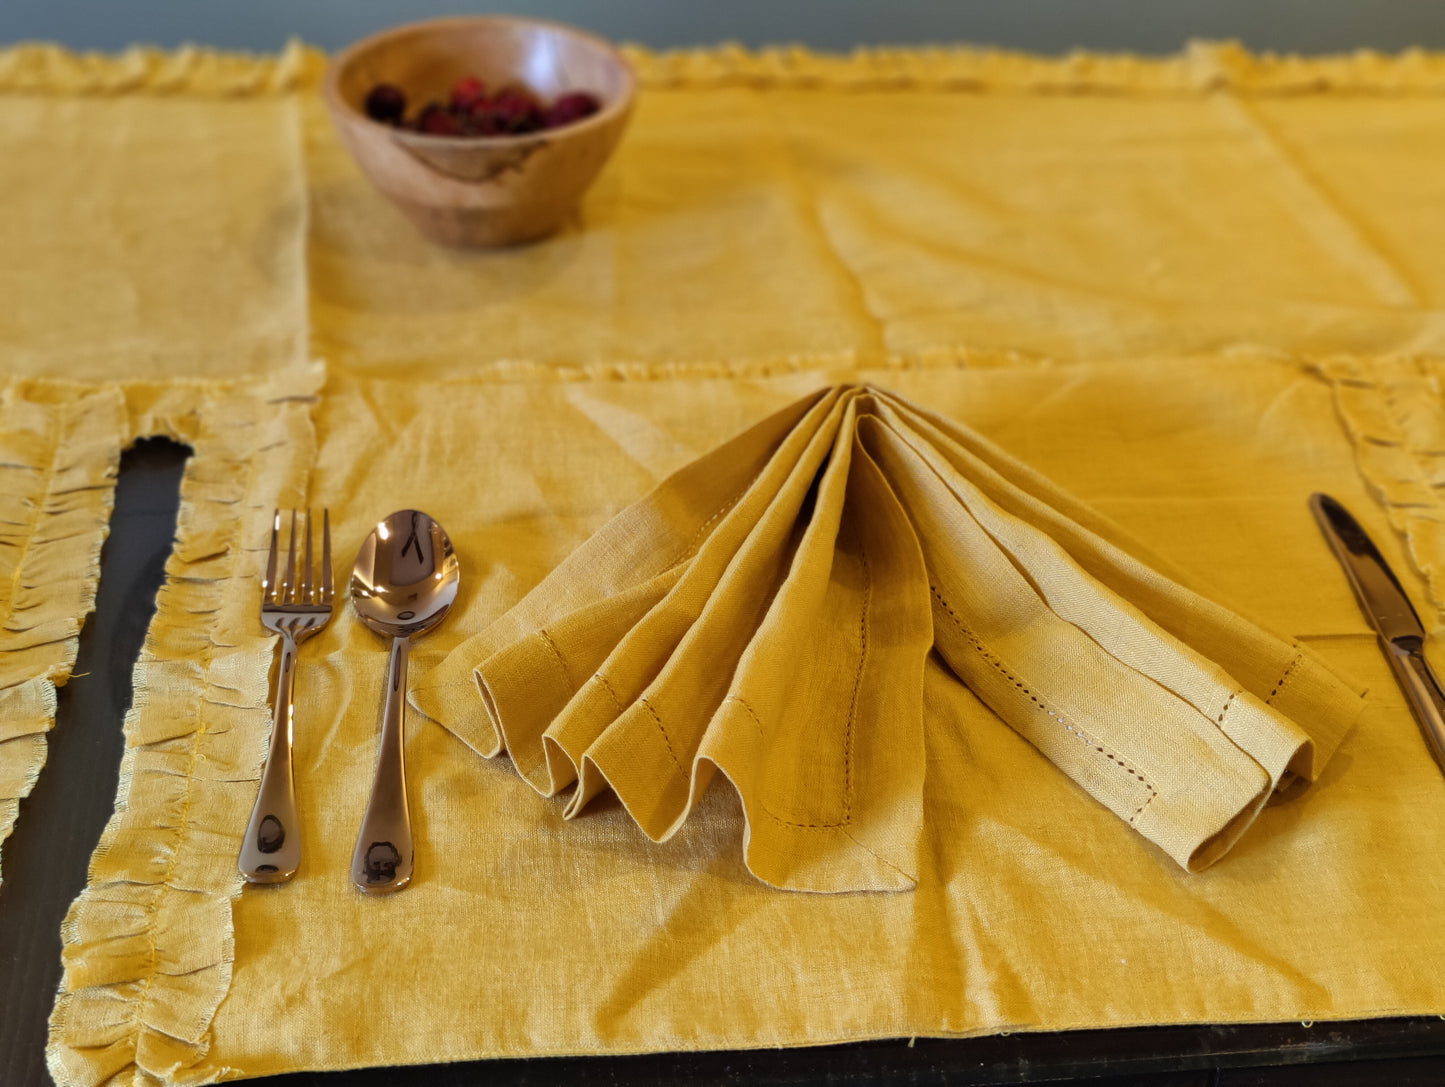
767, 611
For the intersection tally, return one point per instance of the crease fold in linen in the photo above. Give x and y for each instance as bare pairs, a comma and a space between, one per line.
767, 611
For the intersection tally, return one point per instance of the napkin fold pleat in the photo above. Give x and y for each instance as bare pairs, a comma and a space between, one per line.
768, 610
669, 673
608, 576
1278, 672
1114, 729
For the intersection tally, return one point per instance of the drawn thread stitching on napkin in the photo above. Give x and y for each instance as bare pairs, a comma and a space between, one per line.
602, 680
557, 653
1228, 702
774, 816
857, 684
663, 731
702, 528
692, 544
1280, 685
1003, 669
750, 711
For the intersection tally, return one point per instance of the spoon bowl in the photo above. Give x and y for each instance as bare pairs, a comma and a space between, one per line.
403, 584
405, 577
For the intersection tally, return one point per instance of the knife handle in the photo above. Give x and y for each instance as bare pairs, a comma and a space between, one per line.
1407, 658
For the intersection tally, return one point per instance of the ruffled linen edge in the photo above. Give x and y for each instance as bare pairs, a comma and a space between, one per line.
148, 944
1393, 409
45, 68
1202, 66
841, 366
59, 452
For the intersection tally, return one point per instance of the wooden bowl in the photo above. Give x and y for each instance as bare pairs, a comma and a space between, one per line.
492, 190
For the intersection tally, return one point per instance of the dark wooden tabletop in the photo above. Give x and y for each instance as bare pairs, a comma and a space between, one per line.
45, 865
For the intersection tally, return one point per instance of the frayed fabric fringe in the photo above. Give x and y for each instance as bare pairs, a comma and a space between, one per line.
148, 944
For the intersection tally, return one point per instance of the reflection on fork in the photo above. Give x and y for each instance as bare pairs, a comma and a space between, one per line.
271, 851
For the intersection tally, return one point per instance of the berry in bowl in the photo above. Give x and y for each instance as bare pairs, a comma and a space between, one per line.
485, 130
473, 110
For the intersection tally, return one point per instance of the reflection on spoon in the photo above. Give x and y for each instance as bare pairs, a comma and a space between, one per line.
403, 583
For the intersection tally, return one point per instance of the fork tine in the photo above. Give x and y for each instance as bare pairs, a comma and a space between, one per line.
306, 567
287, 585
269, 582
325, 556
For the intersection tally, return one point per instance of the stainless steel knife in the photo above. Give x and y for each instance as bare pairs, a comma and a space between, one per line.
1389, 611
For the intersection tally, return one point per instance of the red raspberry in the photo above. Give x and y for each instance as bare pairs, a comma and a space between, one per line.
481, 121
437, 120
386, 103
467, 92
514, 109
571, 107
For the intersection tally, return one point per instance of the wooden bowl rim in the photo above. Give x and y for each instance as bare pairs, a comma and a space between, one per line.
331, 90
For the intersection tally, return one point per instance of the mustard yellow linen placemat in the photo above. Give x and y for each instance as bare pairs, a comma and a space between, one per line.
1035, 907
1210, 222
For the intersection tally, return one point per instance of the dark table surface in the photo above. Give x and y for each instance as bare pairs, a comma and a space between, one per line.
45, 866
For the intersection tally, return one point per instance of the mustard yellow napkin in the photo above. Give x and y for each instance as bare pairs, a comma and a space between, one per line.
767, 612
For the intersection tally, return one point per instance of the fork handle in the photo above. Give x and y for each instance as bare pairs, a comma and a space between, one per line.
382, 860
271, 851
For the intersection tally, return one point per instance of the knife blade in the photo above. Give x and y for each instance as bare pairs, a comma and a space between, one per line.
1390, 612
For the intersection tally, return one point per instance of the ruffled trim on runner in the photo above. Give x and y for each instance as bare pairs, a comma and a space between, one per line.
1394, 411
42, 68
59, 451
148, 944
843, 363
1202, 66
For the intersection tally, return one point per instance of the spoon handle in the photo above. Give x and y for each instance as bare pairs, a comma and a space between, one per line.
382, 859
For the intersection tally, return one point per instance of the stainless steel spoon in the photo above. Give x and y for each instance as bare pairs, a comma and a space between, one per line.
403, 584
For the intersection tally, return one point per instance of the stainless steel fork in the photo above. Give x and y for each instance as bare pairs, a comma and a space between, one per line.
272, 849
